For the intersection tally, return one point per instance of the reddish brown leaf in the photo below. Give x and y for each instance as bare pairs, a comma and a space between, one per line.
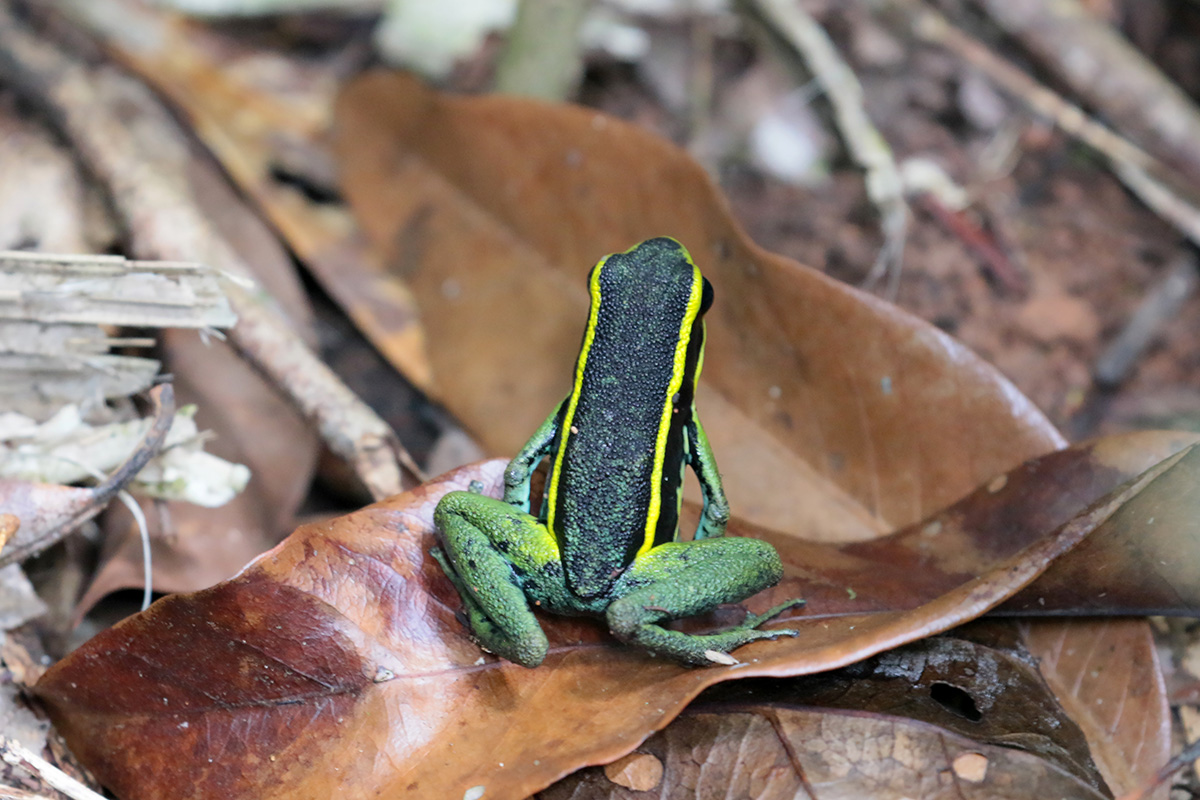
335, 663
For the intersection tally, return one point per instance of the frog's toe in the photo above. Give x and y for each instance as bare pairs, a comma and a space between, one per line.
754, 620
773, 635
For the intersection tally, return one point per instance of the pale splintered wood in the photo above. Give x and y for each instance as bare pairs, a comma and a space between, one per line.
111, 290
53, 349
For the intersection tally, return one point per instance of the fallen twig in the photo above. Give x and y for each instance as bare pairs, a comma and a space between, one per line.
138, 154
1160, 305
31, 539
863, 140
14, 753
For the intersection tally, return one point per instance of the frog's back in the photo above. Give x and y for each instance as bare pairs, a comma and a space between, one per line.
623, 422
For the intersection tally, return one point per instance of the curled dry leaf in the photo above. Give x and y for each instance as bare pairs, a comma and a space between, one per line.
335, 663
980, 697
48, 512
991, 693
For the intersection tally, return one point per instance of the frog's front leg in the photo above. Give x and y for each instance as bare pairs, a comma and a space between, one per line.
715, 514
499, 558
682, 579
519, 471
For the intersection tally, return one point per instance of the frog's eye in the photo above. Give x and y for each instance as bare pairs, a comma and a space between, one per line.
706, 296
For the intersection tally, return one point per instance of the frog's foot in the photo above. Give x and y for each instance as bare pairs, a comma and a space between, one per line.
486, 545
754, 620
681, 579
527, 648
746, 632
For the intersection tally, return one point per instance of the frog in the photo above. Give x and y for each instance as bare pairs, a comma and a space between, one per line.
606, 541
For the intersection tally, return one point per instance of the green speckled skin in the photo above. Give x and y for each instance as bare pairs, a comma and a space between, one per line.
606, 540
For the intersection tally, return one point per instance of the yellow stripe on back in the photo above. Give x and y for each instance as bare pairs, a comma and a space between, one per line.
664, 427
589, 336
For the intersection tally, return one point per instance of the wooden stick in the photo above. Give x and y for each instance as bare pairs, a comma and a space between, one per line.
139, 152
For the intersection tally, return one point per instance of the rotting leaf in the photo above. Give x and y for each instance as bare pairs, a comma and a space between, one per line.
990, 694
762, 752
341, 652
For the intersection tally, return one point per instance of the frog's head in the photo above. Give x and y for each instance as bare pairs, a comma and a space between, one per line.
657, 278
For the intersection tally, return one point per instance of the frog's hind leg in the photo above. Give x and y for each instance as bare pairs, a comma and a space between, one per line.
681, 579
497, 557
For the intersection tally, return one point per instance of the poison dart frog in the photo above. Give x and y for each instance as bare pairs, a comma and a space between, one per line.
606, 541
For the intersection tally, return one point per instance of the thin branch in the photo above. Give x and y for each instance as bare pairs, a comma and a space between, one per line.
1132, 165
140, 154
1160, 305
14, 753
30, 541
1110, 74
865, 143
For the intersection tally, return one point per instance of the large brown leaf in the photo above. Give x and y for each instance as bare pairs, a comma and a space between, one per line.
491, 204
334, 663
834, 415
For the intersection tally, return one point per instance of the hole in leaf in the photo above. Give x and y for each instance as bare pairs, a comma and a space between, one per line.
955, 700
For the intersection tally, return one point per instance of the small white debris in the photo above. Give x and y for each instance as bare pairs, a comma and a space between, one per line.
717, 657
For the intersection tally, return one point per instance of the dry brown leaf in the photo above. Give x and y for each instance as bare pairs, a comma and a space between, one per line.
775, 753
335, 663
1107, 676
832, 413
977, 681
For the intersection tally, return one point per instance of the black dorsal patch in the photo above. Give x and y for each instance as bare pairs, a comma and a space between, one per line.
626, 377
